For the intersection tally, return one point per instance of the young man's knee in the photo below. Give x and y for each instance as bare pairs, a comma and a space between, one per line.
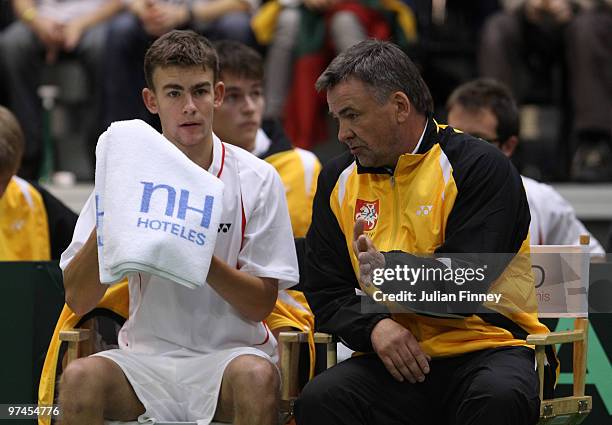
259, 373
82, 384
254, 379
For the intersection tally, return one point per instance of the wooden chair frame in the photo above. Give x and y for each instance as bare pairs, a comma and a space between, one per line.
574, 409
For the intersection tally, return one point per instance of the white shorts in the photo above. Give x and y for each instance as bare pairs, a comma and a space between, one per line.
177, 386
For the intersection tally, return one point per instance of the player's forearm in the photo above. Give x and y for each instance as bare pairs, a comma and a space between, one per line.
252, 296
81, 279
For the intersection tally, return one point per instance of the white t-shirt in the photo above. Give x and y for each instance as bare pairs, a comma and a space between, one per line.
553, 220
165, 316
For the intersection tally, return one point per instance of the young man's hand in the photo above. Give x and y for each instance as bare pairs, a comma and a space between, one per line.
399, 351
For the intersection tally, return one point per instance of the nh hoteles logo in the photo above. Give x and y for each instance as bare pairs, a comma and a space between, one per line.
183, 203
176, 225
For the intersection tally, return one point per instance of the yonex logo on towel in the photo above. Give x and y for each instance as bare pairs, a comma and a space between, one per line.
150, 187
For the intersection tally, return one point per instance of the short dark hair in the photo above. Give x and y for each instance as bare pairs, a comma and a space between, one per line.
239, 60
492, 94
384, 67
180, 48
12, 141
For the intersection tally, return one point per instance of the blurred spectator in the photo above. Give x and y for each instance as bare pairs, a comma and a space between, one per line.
48, 30
449, 33
239, 121
131, 33
33, 224
522, 42
485, 108
304, 37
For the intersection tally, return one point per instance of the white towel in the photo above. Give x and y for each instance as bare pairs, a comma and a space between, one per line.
157, 211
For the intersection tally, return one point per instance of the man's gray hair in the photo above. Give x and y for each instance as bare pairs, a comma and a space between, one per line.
383, 66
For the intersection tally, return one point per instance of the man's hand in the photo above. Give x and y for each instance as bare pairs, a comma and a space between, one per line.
399, 351
368, 256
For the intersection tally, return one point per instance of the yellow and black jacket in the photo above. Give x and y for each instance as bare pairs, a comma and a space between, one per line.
298, 170
34, 225
456, 194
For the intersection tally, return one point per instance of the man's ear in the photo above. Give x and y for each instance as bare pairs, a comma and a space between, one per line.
150, 101
509, 146
219, 93
402, 105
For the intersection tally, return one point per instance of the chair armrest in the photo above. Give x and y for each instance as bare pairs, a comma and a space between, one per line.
292, 336
323, 338
296, 336
551, 338
75, 335
289, 342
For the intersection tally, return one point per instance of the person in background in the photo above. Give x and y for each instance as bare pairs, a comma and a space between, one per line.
303, 37
485, 108
239, 121
47, 31
524, 40
34, 225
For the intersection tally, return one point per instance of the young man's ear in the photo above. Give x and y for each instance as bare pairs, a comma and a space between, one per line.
402, 105
150, 101
219, 93
509, 146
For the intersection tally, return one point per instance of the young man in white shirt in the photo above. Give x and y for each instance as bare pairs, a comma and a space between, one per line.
186, 354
